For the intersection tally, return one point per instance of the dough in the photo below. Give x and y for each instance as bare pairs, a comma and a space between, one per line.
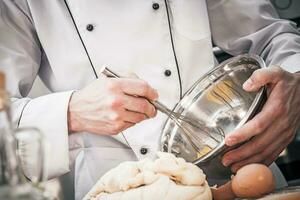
167, 178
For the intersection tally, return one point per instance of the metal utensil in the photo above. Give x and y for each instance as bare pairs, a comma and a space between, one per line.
218, 100
181, 121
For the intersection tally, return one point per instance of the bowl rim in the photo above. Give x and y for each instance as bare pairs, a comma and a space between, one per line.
255, 104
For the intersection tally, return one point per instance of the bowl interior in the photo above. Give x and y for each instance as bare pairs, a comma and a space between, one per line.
218, 103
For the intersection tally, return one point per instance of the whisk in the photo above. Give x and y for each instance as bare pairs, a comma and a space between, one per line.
180, 120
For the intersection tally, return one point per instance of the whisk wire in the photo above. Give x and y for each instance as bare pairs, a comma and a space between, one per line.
181, 121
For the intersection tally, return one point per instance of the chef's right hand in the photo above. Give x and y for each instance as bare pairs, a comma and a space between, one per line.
110, 105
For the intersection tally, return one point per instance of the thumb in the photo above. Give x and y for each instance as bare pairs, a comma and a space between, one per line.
262, 77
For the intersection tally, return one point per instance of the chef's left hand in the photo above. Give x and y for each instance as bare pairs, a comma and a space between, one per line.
272, 129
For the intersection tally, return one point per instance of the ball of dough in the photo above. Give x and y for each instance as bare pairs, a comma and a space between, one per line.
167, 178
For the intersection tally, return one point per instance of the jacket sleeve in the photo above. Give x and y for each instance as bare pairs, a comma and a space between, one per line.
243, 26
20, 58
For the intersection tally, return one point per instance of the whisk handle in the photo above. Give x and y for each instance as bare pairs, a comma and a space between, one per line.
159, 106
108, 73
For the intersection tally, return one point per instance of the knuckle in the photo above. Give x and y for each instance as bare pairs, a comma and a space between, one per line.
256, 147
281, 88
118, 127
242, 155
143, 106
153, 111
141, 117
257, 76
113, 132
259, 126
229, 156
281, 108
145, 87
289, 136
238, 153
276, 112
290, 121
116, 102
113, 85
278, 71
285, 123
114, 116
150, 110
241, 138
264, 154
270, 159
138, 118
255, 159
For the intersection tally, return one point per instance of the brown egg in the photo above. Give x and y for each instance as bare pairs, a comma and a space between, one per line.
252, 181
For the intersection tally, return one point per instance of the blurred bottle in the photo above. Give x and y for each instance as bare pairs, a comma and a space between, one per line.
13, 184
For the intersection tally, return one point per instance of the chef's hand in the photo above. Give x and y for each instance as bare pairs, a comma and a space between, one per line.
271, 130
110, 105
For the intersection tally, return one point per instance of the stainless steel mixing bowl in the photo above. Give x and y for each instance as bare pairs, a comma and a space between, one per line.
218, 101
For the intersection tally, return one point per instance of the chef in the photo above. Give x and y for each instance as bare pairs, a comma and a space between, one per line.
92, 122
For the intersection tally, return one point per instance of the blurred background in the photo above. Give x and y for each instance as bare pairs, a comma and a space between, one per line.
288, 162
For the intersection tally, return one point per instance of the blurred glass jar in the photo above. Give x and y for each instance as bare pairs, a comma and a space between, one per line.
17, 148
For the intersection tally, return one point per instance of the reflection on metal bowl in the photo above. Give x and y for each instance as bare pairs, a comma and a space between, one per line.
218, 101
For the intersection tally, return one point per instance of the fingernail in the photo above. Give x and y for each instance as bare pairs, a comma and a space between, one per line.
234, 169
248, 84
230, 141
154, 111
156, 94
226, 162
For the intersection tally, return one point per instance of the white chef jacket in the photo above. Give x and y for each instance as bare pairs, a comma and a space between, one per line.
66, 43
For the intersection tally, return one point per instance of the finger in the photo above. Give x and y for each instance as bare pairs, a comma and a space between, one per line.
263, 145
236, 166
258, 158
125, 126
278, 145
245, 151
269, 140
134, 117
255, 126
139, 105
241, 153
121, 126
137, 87
262, 77
112, 129
274, 155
